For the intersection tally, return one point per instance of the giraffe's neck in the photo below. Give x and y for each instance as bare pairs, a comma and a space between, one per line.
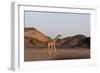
56, 38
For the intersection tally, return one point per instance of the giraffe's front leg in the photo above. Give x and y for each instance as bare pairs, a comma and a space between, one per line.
49, 47
55, 50
51, 50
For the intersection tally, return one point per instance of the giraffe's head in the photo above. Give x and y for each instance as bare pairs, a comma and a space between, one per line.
59, 36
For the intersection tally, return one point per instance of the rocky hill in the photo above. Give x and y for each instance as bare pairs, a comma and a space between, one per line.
35, 38
75, 41
36, 34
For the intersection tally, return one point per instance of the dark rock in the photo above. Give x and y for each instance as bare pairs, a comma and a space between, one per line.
76, 41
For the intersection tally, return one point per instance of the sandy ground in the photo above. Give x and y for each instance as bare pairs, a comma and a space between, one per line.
31, 54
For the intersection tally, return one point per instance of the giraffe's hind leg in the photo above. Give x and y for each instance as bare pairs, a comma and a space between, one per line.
55, 50
50, 50
45, 50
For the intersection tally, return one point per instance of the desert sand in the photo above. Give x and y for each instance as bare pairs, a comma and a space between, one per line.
37, 54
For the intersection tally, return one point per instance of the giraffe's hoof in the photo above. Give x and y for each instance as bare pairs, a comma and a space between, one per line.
55, 52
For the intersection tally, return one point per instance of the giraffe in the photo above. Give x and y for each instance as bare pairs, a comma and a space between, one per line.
51, 45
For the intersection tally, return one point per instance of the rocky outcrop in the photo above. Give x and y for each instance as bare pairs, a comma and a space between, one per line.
76, 41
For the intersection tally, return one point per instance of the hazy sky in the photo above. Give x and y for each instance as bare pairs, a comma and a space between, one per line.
52, 24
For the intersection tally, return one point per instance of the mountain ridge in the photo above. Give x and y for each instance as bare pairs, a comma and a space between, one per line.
35, 38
